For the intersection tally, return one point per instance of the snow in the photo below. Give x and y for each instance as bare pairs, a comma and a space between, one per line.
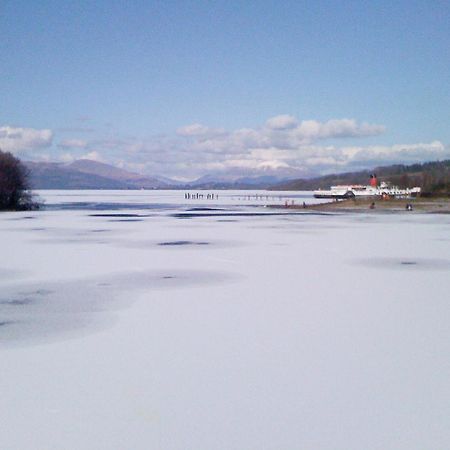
129, 326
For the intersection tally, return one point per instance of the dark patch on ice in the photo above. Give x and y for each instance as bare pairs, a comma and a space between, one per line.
177, 243
191, 215
40, 292
43, 312
116, 215
18, 302
83, 239
143, 244
100, 230
26, 298
105, 206
23, 218
126, 220
206, 209
405, 264
5, 322
227, 220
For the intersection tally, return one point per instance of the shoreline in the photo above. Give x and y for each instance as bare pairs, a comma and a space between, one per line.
419, 205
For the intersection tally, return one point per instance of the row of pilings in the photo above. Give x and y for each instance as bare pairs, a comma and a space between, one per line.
241, 197
200, 196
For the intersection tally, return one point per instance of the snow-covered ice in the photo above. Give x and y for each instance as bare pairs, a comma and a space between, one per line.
141, 320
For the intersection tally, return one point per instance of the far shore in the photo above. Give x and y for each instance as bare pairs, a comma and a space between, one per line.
419, 205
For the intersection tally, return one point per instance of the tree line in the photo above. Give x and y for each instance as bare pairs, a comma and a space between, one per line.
15, 194
432, 177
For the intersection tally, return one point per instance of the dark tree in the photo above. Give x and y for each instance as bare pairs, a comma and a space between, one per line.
14, 193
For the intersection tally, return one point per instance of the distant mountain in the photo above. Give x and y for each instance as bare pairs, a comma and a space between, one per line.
102, 169
87, 174
131, 179
246, 179
257, 182
432, 177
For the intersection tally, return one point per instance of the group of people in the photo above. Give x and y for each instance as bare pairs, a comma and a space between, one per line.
409, 206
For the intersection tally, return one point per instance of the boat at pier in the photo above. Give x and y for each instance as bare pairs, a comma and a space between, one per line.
372, 190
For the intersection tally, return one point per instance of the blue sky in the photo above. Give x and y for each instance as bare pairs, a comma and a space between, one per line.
184, 88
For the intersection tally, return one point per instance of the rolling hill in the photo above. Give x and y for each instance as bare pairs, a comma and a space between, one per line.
87, 174
432, 177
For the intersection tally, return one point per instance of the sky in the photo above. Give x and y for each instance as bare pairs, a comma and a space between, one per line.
187, 88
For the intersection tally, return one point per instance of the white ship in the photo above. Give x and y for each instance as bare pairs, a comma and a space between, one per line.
372, 190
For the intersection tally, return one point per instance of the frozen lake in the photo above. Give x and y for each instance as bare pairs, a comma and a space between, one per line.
146, 320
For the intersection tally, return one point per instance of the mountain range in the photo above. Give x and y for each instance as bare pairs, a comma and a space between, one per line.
88, 174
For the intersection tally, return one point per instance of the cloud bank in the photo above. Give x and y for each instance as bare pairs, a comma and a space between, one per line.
18, 140
283, 146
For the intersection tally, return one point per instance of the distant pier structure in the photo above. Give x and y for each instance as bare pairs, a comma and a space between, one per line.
244, 197
200, 196
261, 198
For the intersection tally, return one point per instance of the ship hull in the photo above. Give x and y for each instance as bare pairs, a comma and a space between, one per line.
345, 192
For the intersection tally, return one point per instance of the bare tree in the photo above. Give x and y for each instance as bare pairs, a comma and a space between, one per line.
14, 193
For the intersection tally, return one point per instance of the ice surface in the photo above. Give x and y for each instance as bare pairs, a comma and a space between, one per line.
248, 332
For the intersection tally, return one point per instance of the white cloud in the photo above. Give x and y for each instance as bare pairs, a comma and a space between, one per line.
282, 145
93, 156
311, 130
17, 140
397, 152
322, 161
273, 164
67, 158
282, 122
282, 132
197, 129
326, 159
